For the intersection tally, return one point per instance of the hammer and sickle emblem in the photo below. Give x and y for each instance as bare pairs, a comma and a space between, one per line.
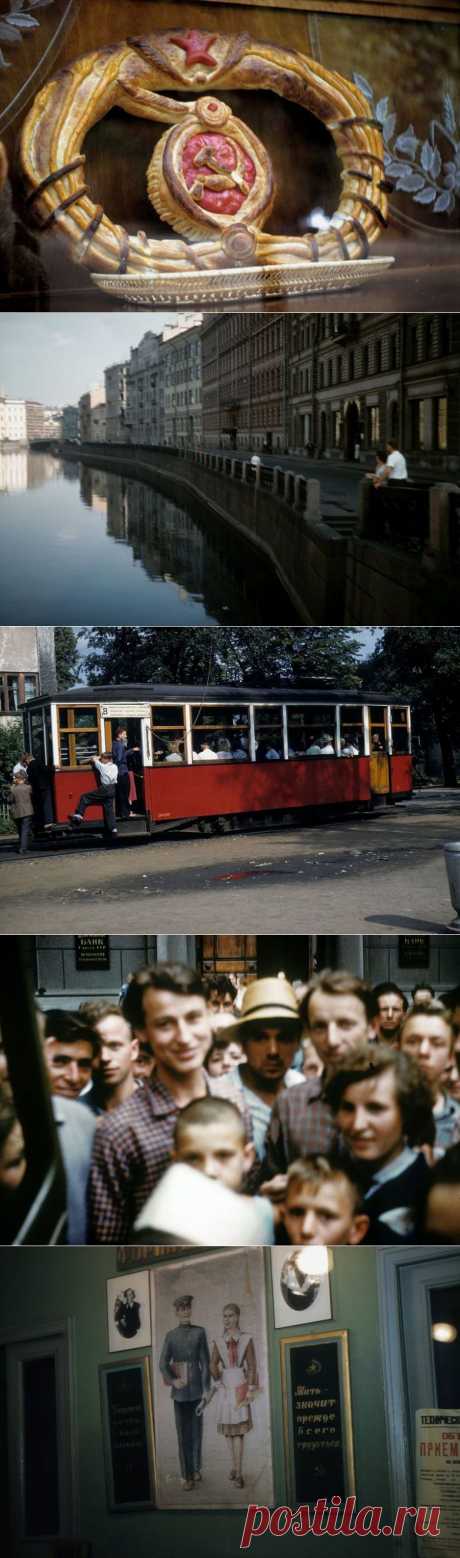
220, 177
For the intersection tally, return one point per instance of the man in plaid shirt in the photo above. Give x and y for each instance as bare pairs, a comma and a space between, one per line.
338, 1010
165, 1006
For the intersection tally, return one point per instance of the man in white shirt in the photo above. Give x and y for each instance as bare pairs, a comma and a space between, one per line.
107, 775
395, 468
205, 755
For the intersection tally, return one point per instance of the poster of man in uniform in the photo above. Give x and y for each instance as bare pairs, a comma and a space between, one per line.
210, 1382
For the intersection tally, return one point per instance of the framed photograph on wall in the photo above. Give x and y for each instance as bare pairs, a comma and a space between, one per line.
127, 1426
317, 1420
128, 1312
211, 1382
299, 1295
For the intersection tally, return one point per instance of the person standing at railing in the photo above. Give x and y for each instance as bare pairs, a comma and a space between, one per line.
395, 468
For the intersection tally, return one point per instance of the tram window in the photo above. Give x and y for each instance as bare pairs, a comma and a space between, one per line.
377, 728
49, 735
224, 730
400, 730
37, 744
168, 731
268, 724
351, 730
311, 730
78, 736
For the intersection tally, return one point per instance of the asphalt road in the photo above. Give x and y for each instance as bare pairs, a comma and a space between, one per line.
359, 875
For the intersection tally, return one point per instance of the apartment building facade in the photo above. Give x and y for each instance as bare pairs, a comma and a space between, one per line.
143, 395
180, 357
13, 420
337, 385
87, 404
116, 386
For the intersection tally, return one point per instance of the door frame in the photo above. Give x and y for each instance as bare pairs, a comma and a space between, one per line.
16, 1337
391, 1331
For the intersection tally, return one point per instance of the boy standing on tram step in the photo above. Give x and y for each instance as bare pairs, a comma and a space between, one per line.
107, 775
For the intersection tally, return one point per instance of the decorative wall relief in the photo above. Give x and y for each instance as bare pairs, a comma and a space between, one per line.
209, 177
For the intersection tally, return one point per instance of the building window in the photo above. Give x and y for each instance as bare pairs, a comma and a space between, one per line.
15, 688
374, 424
424, 424
377, 357
441, 422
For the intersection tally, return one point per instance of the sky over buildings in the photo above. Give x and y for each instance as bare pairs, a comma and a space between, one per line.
54, 358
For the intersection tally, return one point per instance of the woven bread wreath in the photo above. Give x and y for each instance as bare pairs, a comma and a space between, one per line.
134, 76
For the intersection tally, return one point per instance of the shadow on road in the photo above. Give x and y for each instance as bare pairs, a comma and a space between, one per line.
406, 921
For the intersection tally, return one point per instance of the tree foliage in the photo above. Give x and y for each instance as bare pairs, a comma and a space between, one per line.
245, 656
422, 665
66, 651
11, 746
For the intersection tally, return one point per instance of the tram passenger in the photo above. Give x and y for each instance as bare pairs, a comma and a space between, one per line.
348, 748
120, 758
327, 746
266, 752
240, 752
174, 755
205, 754
107, 776
224, 751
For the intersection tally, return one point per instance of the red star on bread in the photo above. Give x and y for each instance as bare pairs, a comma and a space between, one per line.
196, 45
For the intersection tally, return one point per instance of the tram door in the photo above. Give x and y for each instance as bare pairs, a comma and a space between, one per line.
379, 765
135, 719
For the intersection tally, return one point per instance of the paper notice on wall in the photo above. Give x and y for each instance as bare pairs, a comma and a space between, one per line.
437, 1457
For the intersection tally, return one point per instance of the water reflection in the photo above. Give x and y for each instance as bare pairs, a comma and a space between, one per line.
104, 547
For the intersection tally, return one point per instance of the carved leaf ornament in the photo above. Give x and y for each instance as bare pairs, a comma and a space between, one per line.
20, 19
210, 177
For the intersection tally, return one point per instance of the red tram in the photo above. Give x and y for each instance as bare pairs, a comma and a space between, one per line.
224, 756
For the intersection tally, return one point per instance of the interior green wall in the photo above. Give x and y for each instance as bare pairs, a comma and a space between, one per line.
38, 1285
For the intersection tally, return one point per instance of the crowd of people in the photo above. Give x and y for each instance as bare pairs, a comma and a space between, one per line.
325, 1113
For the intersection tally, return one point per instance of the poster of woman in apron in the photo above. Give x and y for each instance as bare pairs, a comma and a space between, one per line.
234, 1368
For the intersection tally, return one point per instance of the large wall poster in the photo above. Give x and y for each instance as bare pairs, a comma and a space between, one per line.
211, 1382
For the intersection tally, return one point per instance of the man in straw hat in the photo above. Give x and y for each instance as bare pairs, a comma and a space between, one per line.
269, 1029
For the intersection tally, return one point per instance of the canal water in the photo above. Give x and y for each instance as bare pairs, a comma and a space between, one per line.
84, 545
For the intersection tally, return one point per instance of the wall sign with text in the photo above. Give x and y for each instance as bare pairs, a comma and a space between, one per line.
318, 1437
92, 952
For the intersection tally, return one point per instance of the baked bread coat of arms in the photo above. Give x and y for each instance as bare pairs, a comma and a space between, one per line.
210, 177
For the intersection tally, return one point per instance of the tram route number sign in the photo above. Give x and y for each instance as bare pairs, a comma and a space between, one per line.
414, 951
92, 952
